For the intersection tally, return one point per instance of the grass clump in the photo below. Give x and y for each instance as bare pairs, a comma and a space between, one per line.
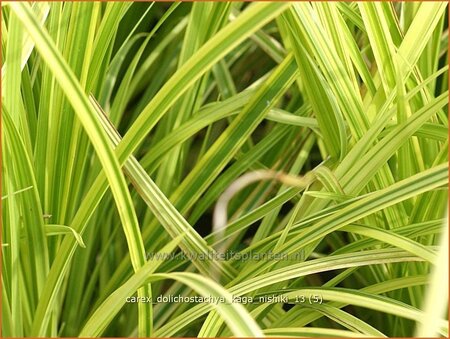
279, 167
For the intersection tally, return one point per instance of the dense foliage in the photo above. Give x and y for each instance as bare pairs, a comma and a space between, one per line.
234, 152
